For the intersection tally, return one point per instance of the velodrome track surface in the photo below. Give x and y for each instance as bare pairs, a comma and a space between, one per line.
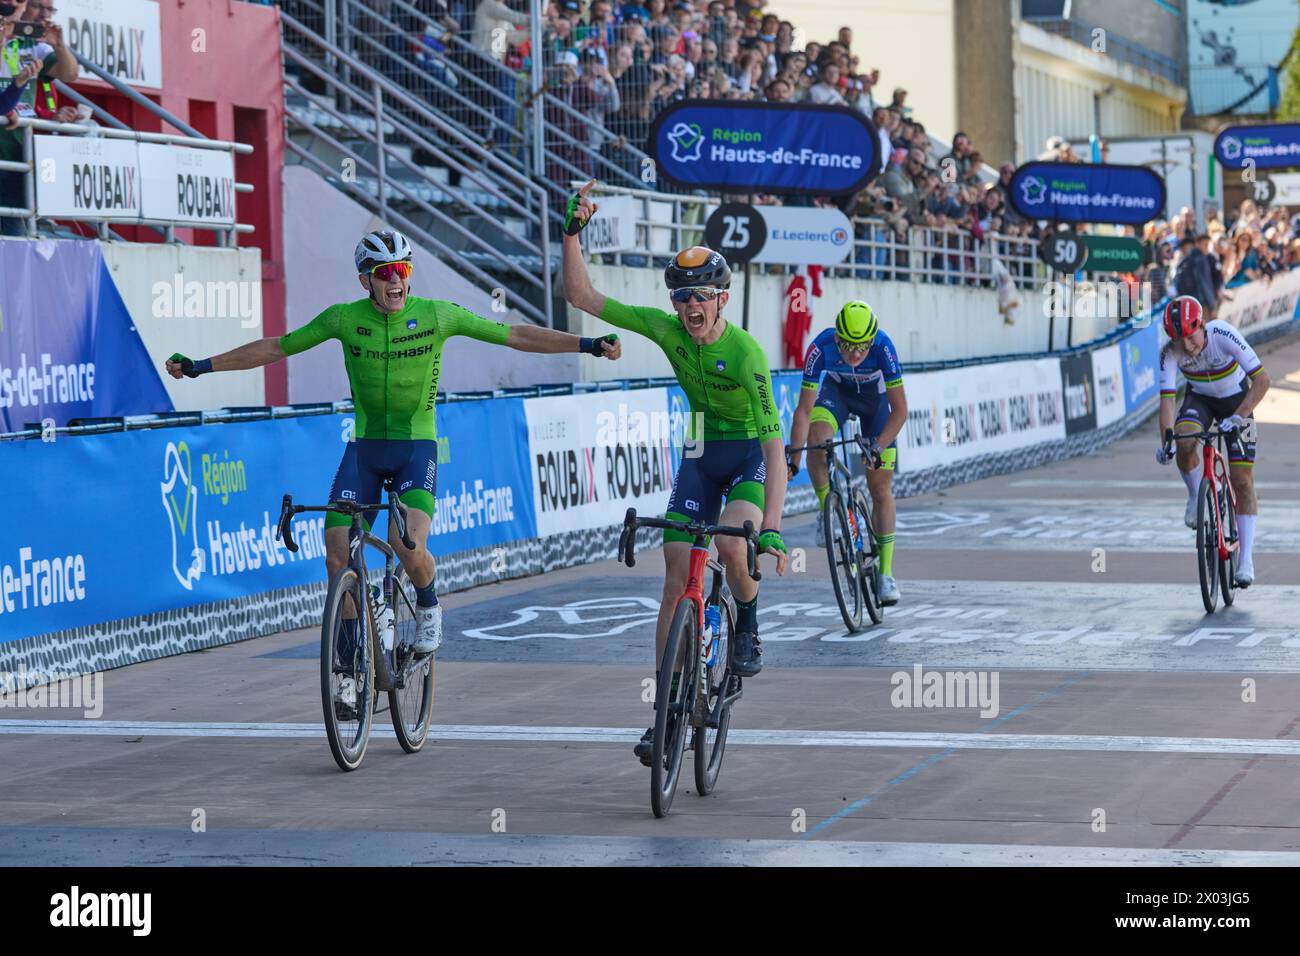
1118, 696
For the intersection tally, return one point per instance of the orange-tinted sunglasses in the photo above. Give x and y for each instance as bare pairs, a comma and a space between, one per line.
388, 271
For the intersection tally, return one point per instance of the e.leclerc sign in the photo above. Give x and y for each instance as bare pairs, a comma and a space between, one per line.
1271, 146
1086, 192
779, 148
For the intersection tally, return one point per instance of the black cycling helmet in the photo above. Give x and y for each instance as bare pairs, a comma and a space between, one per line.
698, 266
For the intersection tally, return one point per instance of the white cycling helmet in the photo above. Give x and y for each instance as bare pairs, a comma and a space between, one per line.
377, 248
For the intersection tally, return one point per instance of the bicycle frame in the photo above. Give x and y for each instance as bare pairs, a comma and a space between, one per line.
1210, 457
700, 562
358, 538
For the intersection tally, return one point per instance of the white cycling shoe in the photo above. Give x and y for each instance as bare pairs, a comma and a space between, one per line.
1189, 515
888, 591
1245, 575
345, 699
430, 638
821, 531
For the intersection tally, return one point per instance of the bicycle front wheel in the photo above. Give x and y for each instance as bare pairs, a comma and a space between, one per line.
868, 559
411, 705
1228, 565
347, 669
673, 706
1207, 547
842, 555
711, 742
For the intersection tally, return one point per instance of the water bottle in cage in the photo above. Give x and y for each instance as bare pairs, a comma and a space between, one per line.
383, 617
713, 621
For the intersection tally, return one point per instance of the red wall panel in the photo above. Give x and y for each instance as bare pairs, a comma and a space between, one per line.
222, 74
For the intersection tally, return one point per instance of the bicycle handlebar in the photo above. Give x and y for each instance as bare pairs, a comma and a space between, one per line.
627, 537
863, 446
284, 528
1206, 435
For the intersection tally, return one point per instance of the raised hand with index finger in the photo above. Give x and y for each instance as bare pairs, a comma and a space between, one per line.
579, 210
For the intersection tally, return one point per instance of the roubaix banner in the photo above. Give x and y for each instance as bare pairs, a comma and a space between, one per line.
1268, 146
188, 185
121, 37
1261, 304
87, 177
123, 180
1082, 192
962, 413
780, 148
593, 456
77, 357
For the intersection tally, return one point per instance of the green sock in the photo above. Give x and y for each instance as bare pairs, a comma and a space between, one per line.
885, 542
821, 495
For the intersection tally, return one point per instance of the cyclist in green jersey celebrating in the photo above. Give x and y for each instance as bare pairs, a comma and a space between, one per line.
727, 379
392, 351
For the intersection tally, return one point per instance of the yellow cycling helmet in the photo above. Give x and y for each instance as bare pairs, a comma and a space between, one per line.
856, 323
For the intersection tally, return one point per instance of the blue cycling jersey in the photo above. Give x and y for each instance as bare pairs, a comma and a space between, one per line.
871, 377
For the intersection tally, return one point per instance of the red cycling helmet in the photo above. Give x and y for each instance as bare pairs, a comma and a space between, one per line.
1183, 316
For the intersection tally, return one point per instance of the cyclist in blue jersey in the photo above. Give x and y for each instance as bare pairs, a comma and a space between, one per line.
863, 378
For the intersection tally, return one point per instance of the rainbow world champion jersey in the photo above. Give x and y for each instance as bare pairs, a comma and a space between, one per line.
1218, 370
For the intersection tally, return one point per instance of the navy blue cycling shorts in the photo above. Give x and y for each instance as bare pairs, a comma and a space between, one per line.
726, 469
412, 466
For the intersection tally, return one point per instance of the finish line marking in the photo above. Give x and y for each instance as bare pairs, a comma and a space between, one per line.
616, 735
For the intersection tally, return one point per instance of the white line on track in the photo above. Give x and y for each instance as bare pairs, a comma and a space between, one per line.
1127, 483
600, 735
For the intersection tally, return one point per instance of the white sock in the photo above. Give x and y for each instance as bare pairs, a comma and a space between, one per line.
1192, 479
1246, 529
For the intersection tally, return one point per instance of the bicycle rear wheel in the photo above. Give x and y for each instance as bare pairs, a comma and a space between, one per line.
346, 656
1207, 547
843, 559
711, 742
673, 707
410, 705
868, 559
1228, 565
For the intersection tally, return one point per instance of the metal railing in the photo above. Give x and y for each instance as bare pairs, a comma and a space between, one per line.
374, 128
30, 212
666, 223
1126, 51
483, 99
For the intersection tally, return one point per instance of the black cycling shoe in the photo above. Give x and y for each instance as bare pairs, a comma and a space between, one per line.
645, 749
748, 656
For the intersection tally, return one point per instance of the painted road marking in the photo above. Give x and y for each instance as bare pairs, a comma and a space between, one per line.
144, 846
921, 740
1091, 483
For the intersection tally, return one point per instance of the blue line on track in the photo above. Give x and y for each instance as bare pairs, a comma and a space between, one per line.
942, 755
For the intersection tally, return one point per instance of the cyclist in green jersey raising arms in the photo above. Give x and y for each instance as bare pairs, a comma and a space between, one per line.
392, 351
727, 380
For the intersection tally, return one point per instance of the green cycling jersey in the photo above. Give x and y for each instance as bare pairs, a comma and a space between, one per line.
393, 360
728, 382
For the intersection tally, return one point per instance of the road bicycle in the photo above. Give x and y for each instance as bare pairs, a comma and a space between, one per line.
698, 654
1217, 547
367, 638
851, 547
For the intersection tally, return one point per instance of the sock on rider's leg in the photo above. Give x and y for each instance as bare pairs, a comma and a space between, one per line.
821, 495
885, 542
1192, 479
427, 596
747, 615
1246, 531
